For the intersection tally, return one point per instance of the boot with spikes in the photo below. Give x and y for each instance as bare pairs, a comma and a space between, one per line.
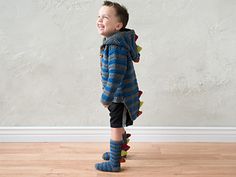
124, 149
113, 165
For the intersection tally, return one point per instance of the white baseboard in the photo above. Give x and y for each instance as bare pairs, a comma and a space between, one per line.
102, 134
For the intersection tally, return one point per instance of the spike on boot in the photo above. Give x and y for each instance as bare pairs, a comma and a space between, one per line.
125, 147
123, 153
128, 135
122, 160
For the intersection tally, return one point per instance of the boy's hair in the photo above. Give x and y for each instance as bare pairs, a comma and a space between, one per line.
121, 11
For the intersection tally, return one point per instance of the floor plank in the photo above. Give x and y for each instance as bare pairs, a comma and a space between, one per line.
144, 159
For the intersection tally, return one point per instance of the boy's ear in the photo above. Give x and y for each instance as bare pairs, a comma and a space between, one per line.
119, 26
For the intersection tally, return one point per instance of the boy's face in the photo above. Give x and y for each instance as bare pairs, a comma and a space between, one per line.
107, 22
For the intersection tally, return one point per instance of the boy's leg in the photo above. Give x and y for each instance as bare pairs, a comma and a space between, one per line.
119, 117
116, 141
117, 133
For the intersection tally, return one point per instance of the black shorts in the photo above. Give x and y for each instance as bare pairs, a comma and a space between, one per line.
119, 116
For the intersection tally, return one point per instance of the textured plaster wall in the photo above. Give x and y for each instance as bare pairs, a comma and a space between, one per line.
49, 62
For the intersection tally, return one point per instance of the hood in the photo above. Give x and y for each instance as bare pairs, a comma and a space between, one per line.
125, 38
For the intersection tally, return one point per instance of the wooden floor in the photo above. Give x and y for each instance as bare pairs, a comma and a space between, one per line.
144, 160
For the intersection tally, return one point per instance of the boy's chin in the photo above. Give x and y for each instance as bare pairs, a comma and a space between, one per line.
103, 34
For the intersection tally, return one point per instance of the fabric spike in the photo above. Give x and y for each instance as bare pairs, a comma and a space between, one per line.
140, 93
135, 37
128, 135
122, 159
139, 48
127, 141
137, 60
139, 113
141, 103
123, 153
125, 147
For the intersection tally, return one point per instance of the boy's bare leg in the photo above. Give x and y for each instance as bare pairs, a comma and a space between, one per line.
116, 133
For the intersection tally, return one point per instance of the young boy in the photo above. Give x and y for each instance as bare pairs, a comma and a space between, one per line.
120, 88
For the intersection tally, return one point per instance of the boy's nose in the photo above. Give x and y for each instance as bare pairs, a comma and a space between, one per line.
99, 19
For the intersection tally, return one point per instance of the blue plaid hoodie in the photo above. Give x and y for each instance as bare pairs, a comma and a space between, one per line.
119, 83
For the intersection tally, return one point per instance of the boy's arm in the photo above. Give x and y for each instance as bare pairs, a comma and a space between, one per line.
117, 65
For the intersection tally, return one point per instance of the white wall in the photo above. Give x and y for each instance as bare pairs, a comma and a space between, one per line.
49, 62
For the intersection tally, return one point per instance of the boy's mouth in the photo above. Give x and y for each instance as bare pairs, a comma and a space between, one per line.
100, 27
